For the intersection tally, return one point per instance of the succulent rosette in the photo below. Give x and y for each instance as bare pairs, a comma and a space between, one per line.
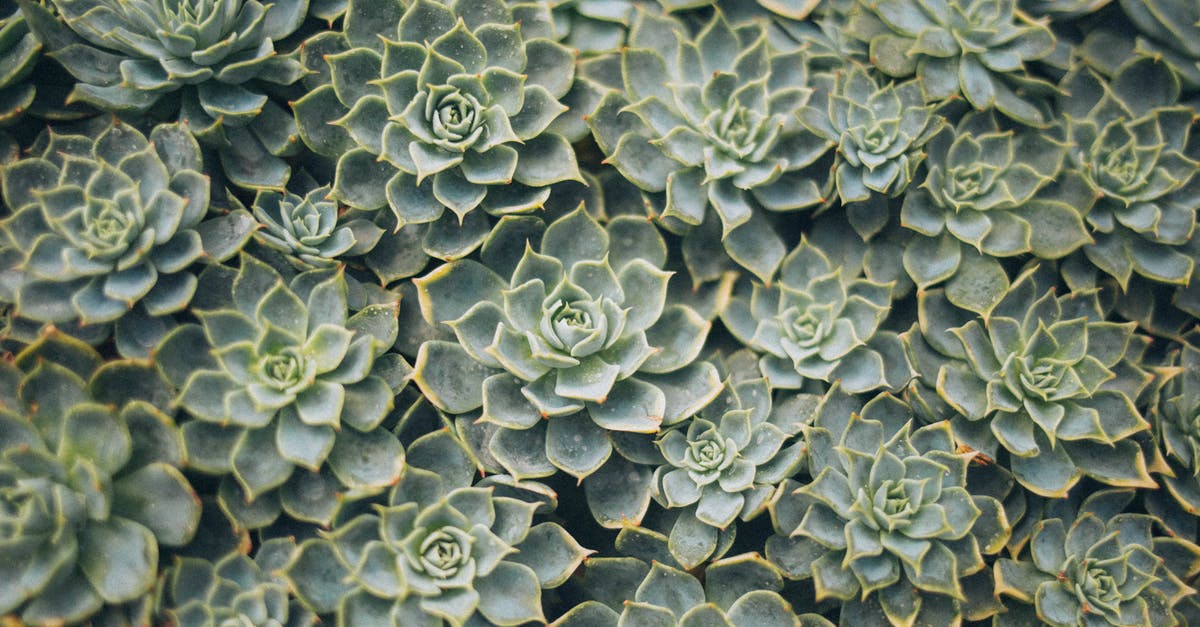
439, 552
578, 343
275, 384
1046, 379
593, 26
90, 486
709, 121
723, 464
1101, 566
443, 106
984, 189
880, 132
887, 525
1175, 414
212, 61
232, 590
304, 228
106, 221
976, 48
740, 590
818, 322
1132, 144
1169, 31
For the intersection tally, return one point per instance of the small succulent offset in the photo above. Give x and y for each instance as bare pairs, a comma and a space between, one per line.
887, 525
443, 105
90, 486
232, 590
1039, 379
982, 189
305, 228
275, 384
579, 342
439, 552
711, 123
740, 590
880, 130
978, 48
210, 60
1131, 141
103, 222
726, 461
819, 323
1103, 567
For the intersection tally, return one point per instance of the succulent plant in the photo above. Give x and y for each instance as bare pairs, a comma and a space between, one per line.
593, 26
982, 189
723, 464
19, 52
818, 323
1132, 144
1169, 31
274, 384
880, 131
1039, 379
212, 61
90, 486
305, 228
740, 590
1062, 9
439, 552
711, 123
106, 221
232, 590
977, 48
577, 343
1101, 567
1174, 412
887, 525
442, 106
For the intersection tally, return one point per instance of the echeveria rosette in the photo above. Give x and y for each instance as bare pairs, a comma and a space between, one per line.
887, 525
1100, 566
277, 377
982, 191
816, 322
231, 590
90, 486
108, 221
438, 552
1045, 378
1131, 142
213, 62
578, 342
740, 590
976, 48
1174, 411
304, 228
723, 464
880, 132
443, 106
710, 122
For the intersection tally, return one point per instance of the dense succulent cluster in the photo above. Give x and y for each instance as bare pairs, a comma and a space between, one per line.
770, 312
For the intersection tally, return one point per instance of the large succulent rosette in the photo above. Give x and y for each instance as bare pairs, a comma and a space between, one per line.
441, 110
90, 486
212, 61
106, 221
1046, 379
976, 48
1100, 566
711, 123
816, 322
279, 377
887, 525
1132, 143
439, 552
578, 343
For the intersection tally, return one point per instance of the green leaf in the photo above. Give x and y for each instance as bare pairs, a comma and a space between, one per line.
119, 558
979, 285
510, 595
159, 497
